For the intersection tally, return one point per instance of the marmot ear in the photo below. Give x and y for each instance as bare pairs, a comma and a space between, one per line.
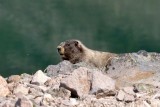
77, 44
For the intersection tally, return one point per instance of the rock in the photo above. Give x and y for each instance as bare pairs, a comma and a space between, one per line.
81, 85
51, 82
105, 93
23, 102
11, 86
14, 78
125, 96
47, 99
132, 68
39, 78
120, 95
78, 82
25, 78
4, 90
156, 96
144, 88
103, 102
35, 92
63, 67
155, 103
21, 89
55, 81
128, 98
61, 92
71, 102
101, 82
129, 90
3, 81
37, 100
8, 103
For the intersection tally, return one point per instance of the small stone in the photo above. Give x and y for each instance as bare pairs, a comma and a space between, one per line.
101, 82
129, 90
73, 101
37, 100
23, 102
7, 103
21, 89
78, 82
128, 98
3, 81
11, 86
63, 67
105, 93
120, 95
39, 78
60, 92
4, 90
50, 82
14, 78
155, 103
35, 92
47, 99
25, 78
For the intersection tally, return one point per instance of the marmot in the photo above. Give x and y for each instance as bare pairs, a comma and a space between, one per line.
74, 51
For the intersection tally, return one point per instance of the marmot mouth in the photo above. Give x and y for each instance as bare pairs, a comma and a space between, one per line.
64, 58
61, 54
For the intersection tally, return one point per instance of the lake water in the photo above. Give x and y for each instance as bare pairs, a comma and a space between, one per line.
31, 30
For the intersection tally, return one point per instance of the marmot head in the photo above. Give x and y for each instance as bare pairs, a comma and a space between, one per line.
71, 50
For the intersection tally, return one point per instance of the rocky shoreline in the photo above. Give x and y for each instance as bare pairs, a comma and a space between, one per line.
131, 80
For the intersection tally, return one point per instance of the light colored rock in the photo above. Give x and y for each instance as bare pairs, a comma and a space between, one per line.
128, 98
37, 100
78, 82
11, 86
35, 92
70, 103
51, 82
155, 103
129, 90
63, 67
102, 102
120, 95
21, 89
73, 101
39, 78
60, 92
4, 91
156, 96
43, 88
23, 102
105, 93
13, 78
7, 103
25, 78
47, 99
2, 81
101, 81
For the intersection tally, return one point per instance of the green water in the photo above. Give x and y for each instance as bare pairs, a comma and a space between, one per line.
31, 30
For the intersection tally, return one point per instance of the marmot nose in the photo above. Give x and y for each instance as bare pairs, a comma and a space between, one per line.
59, 48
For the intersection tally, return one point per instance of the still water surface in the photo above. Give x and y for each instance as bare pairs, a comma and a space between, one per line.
31, 30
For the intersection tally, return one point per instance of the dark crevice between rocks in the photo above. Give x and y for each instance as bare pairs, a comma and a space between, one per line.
73, 91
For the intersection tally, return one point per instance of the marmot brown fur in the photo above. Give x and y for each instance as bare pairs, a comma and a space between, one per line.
74, 51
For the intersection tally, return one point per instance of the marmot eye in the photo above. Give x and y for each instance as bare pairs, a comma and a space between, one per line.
76, 43
68, 44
